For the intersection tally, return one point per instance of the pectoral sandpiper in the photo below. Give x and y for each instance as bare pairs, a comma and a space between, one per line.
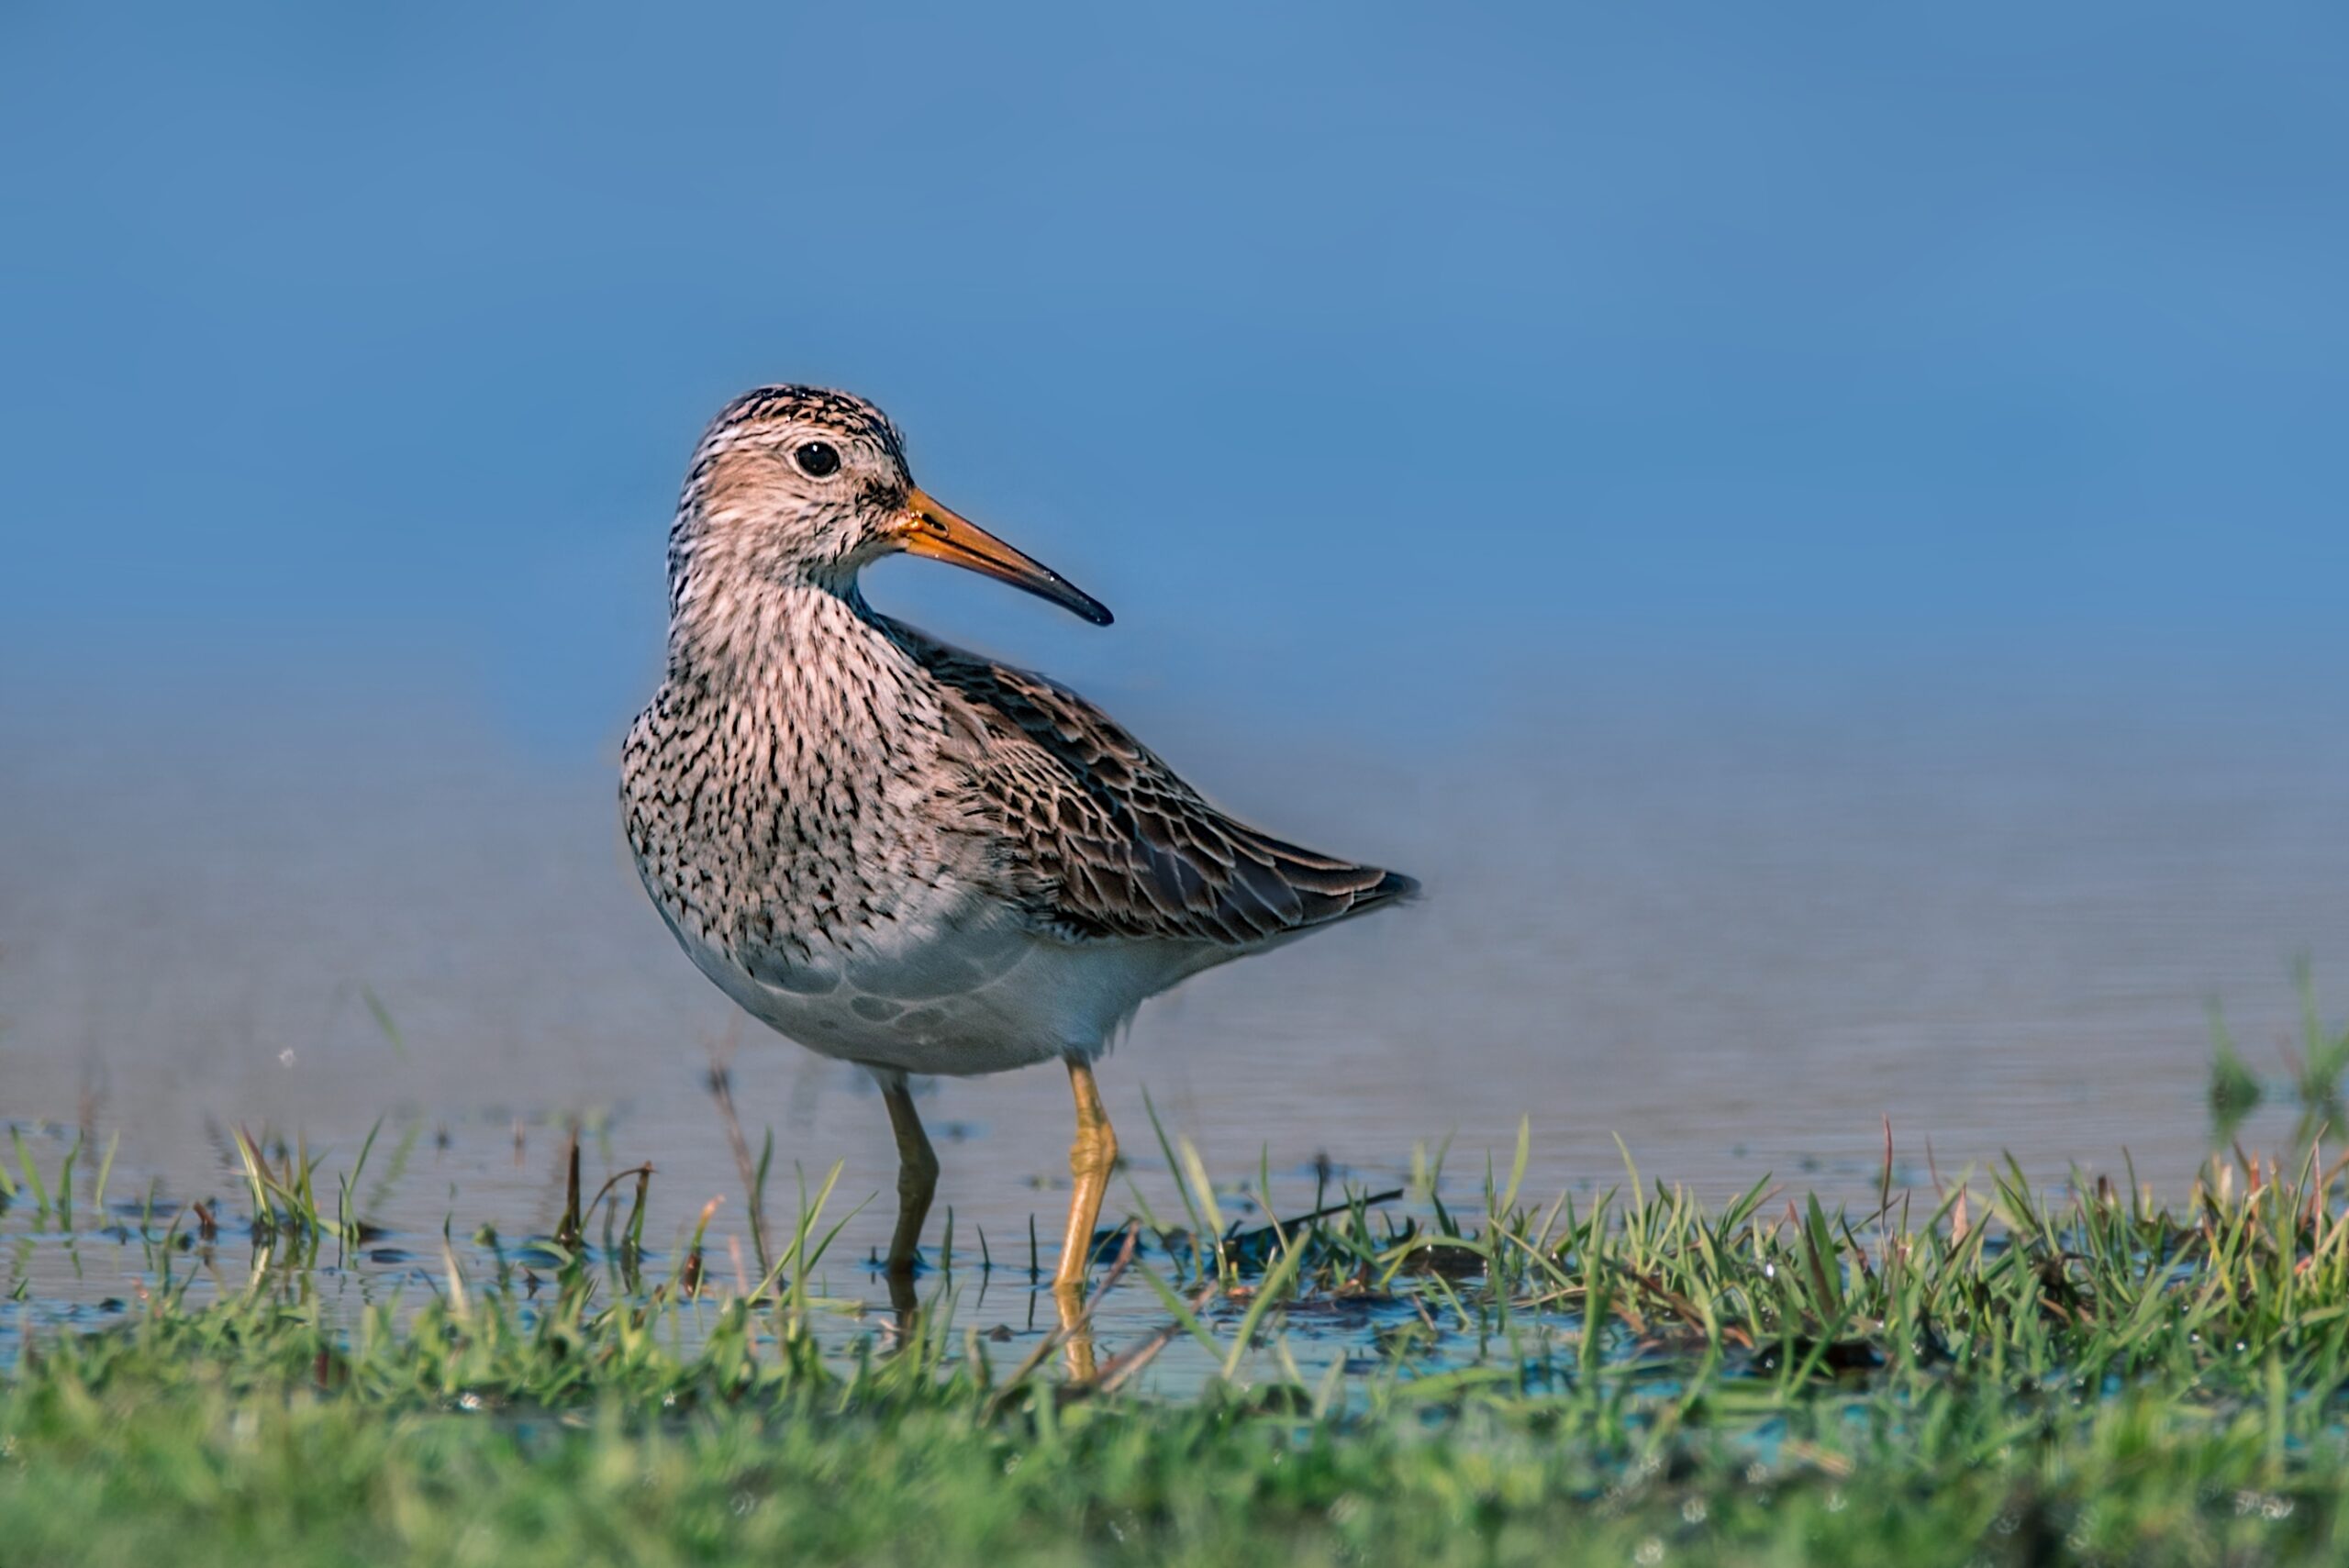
901, 855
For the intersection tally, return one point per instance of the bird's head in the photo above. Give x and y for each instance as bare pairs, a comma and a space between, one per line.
798, 486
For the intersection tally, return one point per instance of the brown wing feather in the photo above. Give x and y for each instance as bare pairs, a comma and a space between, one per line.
1110, 841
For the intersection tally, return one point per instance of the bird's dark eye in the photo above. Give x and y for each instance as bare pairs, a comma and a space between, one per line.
818, 459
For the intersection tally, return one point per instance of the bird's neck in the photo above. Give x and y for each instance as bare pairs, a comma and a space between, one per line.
757, 632
808, 666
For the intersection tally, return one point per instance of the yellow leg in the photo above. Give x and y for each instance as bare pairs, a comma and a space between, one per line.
917, 1177
1078, 1352
1089, 1161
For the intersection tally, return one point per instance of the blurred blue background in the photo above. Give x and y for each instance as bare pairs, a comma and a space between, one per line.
1348, 353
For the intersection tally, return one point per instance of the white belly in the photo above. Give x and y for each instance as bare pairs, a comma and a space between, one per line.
966, 991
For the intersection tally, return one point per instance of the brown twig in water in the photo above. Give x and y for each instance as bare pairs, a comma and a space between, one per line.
721, 1089
1324, 1212
570, 1231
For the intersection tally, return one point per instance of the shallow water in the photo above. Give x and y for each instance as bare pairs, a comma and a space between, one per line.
1734, 927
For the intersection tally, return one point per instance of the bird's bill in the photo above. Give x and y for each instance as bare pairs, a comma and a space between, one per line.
945, 534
